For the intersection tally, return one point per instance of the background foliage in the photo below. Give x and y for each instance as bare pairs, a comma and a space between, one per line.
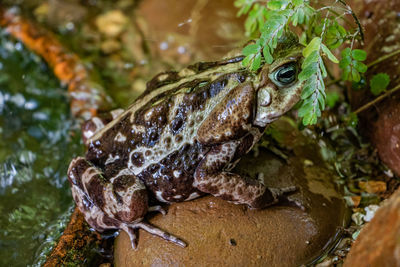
323, 30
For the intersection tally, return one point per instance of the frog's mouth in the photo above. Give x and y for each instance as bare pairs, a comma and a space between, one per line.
264, 114
273, 103
262, 119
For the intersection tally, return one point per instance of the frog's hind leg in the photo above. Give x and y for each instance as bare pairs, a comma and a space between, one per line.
119, 202
157, 208
211, 176
123, 198
131, 230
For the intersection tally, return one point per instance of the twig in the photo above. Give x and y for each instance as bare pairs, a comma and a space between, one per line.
354, 17
376, 100
379, 60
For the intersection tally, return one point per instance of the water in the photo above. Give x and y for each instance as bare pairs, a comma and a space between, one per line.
35, 149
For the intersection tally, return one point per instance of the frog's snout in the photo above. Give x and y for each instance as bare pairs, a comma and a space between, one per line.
265, 98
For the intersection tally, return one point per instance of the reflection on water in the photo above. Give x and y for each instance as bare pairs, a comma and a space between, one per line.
35, 150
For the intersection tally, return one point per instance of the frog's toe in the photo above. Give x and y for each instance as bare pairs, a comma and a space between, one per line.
158, 232
157, 208
296, 203
281, 195
132, 233
285, 190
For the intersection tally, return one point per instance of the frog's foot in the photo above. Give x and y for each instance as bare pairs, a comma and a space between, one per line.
131, 230
280, 194
277, 192
157, 208
132, 233
260, 178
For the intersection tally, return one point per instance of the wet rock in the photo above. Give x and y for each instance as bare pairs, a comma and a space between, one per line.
386, 133
64, 12
192, 30
110, 46
381, 123
223, 234
378, 243
112, 23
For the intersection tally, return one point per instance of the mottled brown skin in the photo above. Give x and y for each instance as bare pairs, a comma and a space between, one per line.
179, 140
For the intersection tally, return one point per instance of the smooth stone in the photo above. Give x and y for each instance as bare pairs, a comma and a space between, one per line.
379, 241
223, 234
381, 122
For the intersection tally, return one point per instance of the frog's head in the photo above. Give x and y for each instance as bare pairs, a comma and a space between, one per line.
279, 89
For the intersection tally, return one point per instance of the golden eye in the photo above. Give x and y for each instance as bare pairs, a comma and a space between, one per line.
286, 74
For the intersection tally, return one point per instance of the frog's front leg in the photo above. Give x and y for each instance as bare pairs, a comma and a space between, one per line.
117, 203
212, 177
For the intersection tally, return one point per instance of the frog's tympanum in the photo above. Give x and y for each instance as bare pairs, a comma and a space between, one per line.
181, 138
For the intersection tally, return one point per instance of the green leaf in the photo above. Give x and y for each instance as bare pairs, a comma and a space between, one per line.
256, 63
346, 52
277, 4
309, 87
314, 45
305, 108
331, 99
310, 118
321, 101
359, 55
359, 66
297, 2
346, 73
329, 54
267, 55
352, 120
308, 71
351, 65
355, 75
250, 49
379, 83
312, 58
322, 68
345, 62
335, 35
307, 92
246, 60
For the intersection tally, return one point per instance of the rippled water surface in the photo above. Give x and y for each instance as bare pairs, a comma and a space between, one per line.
35, 149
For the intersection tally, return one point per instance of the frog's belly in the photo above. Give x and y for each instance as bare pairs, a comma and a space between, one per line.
171, 179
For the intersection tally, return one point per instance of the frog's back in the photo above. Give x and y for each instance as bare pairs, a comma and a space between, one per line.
156, 136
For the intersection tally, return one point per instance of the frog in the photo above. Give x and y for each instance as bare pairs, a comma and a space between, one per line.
181, 139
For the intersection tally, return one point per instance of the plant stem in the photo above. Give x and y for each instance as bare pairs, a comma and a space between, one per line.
376, 100
379, 60
354, 17
333, 82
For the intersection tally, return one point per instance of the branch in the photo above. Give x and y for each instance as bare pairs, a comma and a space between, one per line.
376, 100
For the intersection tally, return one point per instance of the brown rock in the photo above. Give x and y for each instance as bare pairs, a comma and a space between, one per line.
191, 31
380, 19
219, 233
386, 134
379, 242
112, 23
62, 12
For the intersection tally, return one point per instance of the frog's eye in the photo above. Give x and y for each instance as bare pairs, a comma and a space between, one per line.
286, 74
